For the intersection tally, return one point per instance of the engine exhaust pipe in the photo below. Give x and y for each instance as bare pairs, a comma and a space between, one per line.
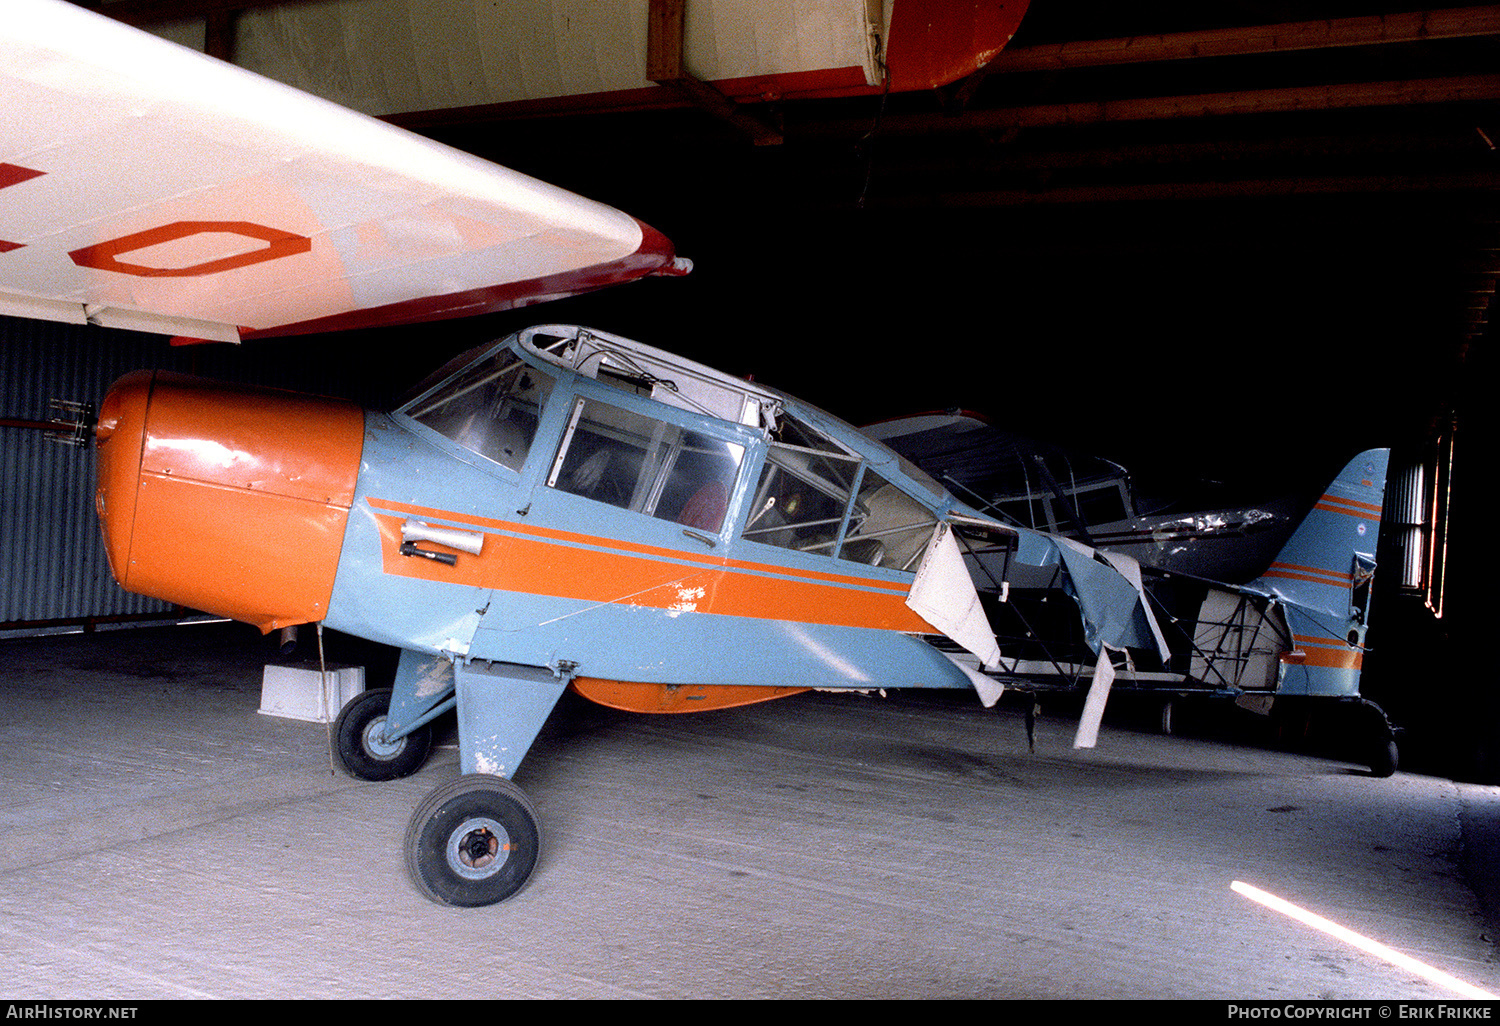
471, 542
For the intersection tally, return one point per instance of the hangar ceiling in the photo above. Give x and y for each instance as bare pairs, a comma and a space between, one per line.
1218, 235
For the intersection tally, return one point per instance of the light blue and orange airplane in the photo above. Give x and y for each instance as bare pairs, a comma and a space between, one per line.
561, 509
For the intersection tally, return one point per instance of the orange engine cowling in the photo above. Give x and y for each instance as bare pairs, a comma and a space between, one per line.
229, 499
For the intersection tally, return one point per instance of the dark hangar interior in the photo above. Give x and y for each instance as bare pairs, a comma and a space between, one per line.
1223, 245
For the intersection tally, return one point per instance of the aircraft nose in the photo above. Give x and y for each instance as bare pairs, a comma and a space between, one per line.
228, 499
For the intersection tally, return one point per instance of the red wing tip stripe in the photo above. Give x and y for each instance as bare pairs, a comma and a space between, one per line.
1348, 512
1284, 576
6, 247
1303, 568
1372, 506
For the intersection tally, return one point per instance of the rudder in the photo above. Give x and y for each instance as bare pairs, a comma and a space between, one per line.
1323, 577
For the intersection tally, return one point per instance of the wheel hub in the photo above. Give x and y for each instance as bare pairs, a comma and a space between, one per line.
375, 742
478, 847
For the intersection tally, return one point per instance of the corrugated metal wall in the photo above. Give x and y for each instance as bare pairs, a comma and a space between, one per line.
52, 563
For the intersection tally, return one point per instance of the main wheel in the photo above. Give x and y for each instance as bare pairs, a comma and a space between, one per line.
472, 842
359, 742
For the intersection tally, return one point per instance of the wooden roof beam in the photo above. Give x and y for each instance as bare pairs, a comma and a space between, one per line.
1342, 96
1450, 23
665, 31
1458, 23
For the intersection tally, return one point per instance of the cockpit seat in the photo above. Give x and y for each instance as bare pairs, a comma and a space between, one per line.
705, 510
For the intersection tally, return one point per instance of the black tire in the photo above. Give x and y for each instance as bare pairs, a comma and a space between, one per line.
1379, 744
473, 842
356, 741
1384, 758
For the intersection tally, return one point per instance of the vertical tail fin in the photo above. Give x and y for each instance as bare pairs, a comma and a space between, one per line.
1323, 576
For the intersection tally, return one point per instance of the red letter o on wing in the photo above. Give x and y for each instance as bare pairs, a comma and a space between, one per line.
105, 256
14, 174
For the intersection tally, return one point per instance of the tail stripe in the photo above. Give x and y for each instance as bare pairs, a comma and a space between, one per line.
1317, 575
1362, 510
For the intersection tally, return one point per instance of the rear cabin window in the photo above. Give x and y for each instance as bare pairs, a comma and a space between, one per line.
812, 497
619, 457
887, 527
801, 498
492, 409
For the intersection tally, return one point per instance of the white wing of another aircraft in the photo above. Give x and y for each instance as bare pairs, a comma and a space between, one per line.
146, 186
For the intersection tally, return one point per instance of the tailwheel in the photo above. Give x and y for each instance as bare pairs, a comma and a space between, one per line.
1382, 754
360, 744
1384, 757
472, 842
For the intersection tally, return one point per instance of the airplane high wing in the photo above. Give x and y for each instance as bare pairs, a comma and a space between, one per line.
146, 186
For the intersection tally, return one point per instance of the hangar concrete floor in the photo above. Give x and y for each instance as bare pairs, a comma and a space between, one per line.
159, 838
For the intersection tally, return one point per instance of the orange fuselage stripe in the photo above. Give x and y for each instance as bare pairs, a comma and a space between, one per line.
1329, 652
543, 561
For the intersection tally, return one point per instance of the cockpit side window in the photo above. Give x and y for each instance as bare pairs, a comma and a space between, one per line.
619, 457
492, 409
